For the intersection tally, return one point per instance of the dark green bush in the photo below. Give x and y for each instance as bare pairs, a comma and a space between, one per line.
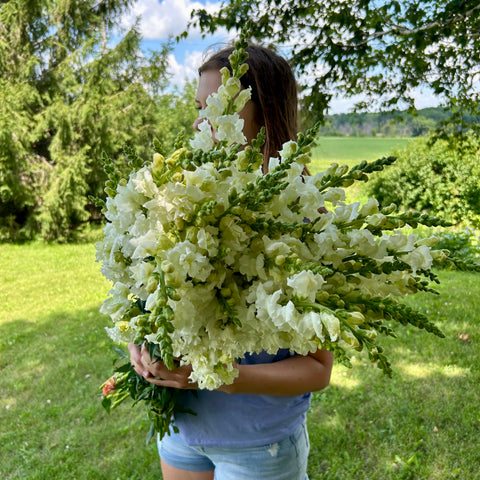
440, 179
464, 245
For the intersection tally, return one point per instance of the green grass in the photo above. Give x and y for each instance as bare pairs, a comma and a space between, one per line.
352, 150
54, 355
422, 424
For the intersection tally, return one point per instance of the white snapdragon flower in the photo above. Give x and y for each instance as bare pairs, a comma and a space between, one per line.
121, 333
369, 208
141, 273
207, 239
275, 247
310, 325
288, 149
311, 199
203, 139
366, 244
306, 284
419, 258
273, 162
327, 241
230, 128
187, 260
333, 195
346, 213
332, 325
400, 242
242, 98
232, 234
214, 107
376, 219
143, 182
118, 303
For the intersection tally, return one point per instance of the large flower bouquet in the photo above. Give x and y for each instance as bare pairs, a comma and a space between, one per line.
210, 258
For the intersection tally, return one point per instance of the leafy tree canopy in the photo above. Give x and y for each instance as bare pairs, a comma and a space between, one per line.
381, 49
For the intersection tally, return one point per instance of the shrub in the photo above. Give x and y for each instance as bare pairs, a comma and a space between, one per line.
464, 245
440, 179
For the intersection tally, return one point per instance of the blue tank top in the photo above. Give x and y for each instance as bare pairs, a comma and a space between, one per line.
240, 420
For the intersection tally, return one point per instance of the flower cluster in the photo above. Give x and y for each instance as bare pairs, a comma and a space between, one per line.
210, 258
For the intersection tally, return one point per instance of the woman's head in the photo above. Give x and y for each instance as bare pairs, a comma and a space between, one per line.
274, 93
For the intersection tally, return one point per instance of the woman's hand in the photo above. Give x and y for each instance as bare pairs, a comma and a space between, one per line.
155, 371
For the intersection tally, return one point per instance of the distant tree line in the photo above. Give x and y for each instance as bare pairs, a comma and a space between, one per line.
386, 124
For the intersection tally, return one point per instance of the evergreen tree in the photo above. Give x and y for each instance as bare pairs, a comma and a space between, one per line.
67, 94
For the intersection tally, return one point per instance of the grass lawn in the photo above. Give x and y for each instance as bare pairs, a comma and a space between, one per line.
352, 150
422, 424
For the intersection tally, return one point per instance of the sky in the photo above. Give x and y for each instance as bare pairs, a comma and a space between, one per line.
161, 19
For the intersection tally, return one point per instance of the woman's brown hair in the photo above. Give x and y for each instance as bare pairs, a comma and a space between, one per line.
274, 92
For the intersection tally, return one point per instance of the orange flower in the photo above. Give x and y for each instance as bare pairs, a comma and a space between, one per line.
109, 386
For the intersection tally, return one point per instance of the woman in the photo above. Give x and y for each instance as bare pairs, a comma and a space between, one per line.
253, 429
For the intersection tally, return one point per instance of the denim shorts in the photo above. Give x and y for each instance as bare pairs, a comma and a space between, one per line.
283, 460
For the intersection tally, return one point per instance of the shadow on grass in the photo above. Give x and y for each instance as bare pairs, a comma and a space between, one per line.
52, 423
422, 423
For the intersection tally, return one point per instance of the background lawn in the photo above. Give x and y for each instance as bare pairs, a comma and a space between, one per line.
352, 150
424, 423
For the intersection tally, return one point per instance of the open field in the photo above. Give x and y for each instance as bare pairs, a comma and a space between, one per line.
352, 150
422, 424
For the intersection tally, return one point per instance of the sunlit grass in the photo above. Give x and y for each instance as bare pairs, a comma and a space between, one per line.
404, 427
351, 151
424, 423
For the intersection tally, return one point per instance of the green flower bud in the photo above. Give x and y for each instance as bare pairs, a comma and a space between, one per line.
110, 192
191, 234
429, 242
237, 210
226, 292
242, 69
177, 177
242, 161
179, 223
167, 267
225, 72
351, 339
321, 296
389, 209
172, 293
355, 318
152, 284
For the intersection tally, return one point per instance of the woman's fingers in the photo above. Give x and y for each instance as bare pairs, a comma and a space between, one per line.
155, 371
136, 360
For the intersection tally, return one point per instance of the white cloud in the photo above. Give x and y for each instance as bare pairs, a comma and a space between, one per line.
162, 19
186, 72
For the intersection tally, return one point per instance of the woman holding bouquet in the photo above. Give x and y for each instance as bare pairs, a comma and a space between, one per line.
253, 429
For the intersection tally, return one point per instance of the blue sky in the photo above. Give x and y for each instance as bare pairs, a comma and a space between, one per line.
160, 19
